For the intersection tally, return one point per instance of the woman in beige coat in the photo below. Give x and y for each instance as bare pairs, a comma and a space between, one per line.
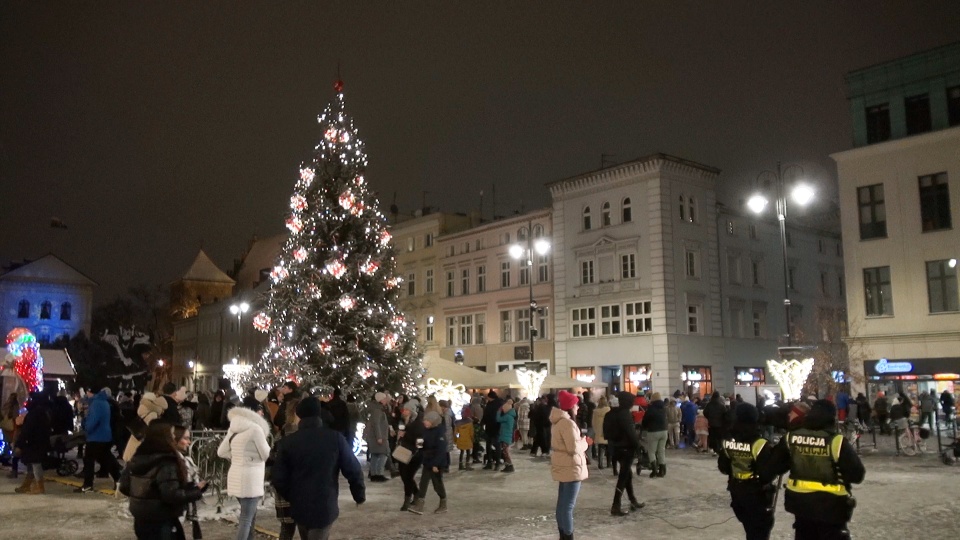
151, 407
599, 441
568, 460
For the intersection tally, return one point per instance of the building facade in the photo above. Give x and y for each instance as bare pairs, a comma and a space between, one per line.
898, 196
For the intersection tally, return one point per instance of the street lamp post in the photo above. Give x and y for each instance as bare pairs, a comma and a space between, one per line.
801, 194
525, 256
239, 309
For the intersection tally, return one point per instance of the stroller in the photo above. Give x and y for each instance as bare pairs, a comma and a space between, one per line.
951, 452
57, 458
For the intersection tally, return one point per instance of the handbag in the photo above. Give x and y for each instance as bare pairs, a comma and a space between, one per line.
402, 454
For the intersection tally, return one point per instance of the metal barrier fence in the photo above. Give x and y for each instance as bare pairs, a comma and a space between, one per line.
210, 466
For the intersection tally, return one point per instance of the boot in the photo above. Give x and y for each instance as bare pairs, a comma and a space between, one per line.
616, 509
662, 471
406, 503
564, 536
654, 471
508, 468
636, 505
496, 467
442, 509
417, 507
27, 484
488, 466
600, 457
462, 467
469, 465
38, 488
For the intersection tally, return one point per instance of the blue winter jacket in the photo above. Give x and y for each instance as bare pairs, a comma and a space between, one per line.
97, 423
688, 411
507, 421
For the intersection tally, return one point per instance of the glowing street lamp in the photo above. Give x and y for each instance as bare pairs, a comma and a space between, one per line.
525, 255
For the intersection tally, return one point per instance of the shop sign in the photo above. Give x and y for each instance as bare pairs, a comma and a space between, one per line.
885, 366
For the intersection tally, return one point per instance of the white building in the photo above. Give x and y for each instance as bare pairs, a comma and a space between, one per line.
898, 196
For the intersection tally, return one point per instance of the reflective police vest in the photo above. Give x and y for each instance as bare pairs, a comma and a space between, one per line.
742, 457
813, 456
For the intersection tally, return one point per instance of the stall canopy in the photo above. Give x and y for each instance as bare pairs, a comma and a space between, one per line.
57, 363
508, 379
438, 368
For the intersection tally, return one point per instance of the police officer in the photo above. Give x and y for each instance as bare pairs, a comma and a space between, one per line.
823, 465
741, 453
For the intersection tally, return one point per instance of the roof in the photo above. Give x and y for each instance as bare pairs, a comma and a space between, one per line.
262, 254
651, 159
204, 269
48, 268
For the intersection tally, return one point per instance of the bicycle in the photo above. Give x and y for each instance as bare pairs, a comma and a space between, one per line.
913, 440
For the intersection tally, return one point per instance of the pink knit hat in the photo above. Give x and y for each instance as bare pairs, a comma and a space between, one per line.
567, 400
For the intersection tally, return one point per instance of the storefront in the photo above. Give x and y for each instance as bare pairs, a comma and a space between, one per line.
749, 376
912, 376
636, 378
697, 380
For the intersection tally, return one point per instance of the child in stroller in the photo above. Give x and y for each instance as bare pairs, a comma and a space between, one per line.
57, 458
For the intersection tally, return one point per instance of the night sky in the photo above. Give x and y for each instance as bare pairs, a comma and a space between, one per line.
154, 128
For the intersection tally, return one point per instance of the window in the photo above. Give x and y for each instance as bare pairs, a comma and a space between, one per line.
524, 273
506, 327
504, 274
428, 286
792, 278
638, 317
736, 322
411, 284
824, 290
628, 266
523, 324
683, 208
626, 213
586, 272
878, 291
481, 327
873, 212
466, 247
691, 210
23, 309
543, 269
733, 269
481, 278
478, 245
538, 231
758, 318
636, 378
586, 218
934, 202
542, 319
451, 331
731, 228
450, 284
753, 231
756, 270
610, 320
429, 329
692, 264
522, 234
428, 240
505, 239
953, 106
466, 330
917, 112
584, 322
605, 215
45, 308
878, 123
411, 242
942, 286
465, 281
451, 251
66, 311
693, 319
819, 245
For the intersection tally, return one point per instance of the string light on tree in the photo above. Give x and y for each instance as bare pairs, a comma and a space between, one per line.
27, 361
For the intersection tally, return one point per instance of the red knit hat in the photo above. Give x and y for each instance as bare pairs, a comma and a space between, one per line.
567, 400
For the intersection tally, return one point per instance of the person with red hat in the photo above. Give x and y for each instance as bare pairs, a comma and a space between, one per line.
568, 460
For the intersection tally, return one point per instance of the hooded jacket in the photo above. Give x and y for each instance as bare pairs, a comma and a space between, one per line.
245, 445
507, 421
152, 481
598, 415
655, 418
568, 462
623, 418
151, 407
97, 423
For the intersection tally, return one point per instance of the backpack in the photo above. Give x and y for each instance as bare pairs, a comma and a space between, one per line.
612, 431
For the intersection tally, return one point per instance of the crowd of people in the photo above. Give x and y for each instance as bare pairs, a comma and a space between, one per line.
299, 443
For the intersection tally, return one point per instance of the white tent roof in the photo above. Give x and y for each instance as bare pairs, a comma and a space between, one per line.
438, 368
56, 362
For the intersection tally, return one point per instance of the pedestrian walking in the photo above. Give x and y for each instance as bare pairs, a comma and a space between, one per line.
928, 409
688, 417
600, 442
618, 429
492, 431
33, 442
673, 423
377, 434
743, 452
435, 460
464, 433
716, 413
568, 460
410, 437
245, 445
157, 482
881, 409
99, 439
507, 419
523, 423
654, 426
306, 468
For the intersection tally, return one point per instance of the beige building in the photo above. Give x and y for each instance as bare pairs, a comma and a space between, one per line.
484, 295
898, 196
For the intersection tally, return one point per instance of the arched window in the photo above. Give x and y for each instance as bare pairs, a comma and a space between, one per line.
586, 218
605, 215
45, 308
522, 234
23, 309
692, 209
626, 213
66, 311
683, 208
537, 231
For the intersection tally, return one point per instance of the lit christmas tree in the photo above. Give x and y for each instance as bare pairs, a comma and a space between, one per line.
331, 313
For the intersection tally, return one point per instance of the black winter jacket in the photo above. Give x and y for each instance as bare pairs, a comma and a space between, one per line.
435, 452
305, 473
629, 440
33, 439
655, 419
152, 482
716, 413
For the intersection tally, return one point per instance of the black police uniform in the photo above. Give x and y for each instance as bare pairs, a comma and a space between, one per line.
822, 466
751, 497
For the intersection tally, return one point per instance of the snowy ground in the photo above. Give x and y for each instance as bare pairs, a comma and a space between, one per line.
901, 496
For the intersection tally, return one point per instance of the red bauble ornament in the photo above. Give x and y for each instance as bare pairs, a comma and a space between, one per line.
338, 86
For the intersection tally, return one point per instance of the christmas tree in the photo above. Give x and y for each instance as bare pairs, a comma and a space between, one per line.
331, 313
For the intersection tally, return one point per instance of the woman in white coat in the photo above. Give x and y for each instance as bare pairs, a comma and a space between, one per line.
246, 446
